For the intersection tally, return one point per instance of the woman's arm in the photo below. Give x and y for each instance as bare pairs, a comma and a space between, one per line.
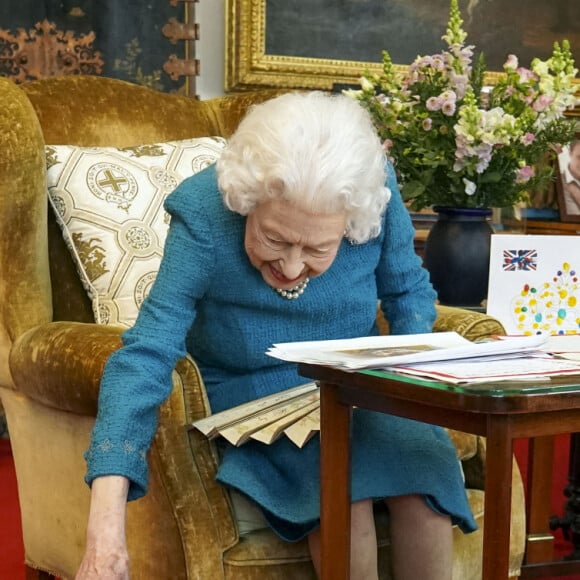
407, 297
106, 551
137, 378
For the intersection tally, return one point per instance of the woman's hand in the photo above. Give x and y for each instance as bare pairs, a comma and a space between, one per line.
106, 551
105, 559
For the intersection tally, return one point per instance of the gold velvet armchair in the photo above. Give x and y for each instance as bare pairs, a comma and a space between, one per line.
52, 356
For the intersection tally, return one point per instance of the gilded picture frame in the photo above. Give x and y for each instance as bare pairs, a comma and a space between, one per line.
248, 66
255, 31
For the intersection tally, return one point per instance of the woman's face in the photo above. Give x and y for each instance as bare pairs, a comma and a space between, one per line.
288, 244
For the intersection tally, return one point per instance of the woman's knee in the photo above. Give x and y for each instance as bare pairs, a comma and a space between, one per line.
406, 502
413, 507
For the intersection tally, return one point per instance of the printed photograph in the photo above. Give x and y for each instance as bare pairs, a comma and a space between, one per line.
568, 182
387, 352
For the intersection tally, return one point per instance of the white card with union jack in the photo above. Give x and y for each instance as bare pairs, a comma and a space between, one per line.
534, 283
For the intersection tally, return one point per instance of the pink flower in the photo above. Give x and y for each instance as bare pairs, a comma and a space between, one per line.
438, 63
526, 75
511, 63
433, 104
427, 124
528, 139
524, 174
542, 103
448, 108
459, 83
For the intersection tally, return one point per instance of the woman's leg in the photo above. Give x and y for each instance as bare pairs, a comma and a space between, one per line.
363, 544
421, 540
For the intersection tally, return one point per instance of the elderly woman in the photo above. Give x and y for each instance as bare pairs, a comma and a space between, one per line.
293, 235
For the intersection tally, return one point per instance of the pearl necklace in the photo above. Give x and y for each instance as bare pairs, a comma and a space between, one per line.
295, 292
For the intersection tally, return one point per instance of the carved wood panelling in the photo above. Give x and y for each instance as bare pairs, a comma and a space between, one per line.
45, 51
188, 33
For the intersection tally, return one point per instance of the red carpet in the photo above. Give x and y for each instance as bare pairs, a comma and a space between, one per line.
11, 548
562, 547
12, 551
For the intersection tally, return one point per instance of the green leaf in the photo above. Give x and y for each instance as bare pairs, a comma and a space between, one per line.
491, 177
412, 189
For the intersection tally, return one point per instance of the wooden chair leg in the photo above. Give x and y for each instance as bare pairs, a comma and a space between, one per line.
34, 574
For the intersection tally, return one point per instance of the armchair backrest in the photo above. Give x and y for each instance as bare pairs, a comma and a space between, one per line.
39, 280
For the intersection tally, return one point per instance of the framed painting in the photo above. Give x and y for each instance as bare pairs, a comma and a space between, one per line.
315, 44
568, 181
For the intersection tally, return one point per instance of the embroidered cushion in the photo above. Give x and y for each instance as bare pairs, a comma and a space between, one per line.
109, 203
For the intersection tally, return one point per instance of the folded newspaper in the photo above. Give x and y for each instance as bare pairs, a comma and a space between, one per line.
446, 356
293, 412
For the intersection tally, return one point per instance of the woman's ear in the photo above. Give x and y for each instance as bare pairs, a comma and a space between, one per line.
275, 188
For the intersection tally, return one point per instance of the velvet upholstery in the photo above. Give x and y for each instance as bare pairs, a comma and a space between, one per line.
52, 356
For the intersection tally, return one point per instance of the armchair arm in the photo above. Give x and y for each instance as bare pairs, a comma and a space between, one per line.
469, 324
59, 366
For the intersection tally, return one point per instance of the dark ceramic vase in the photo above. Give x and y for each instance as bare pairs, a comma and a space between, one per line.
457, 255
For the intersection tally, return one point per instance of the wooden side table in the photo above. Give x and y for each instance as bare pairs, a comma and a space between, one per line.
540, 523
502, 412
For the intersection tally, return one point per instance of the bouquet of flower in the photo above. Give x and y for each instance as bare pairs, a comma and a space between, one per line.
455, 142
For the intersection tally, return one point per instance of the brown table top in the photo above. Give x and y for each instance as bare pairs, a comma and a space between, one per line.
511, 397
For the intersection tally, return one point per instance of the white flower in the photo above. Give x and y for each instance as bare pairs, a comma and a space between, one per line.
354, 94
511, 63
365, 84
470, 187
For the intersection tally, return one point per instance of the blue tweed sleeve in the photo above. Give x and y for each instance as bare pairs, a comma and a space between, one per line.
137, 378
406, 295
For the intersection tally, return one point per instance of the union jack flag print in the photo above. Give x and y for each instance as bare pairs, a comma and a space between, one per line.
514, 260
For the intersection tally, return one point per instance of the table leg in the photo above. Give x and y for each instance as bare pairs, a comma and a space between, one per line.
498, 495
335, 419
539, 538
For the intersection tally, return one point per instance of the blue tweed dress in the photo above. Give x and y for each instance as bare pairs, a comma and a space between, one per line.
209, 301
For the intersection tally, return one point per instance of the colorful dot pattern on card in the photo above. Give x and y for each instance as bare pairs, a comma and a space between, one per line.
549, 306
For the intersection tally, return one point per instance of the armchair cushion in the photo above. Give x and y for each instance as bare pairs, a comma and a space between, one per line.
109, 203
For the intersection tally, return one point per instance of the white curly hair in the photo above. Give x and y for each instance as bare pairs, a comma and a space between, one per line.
317, 150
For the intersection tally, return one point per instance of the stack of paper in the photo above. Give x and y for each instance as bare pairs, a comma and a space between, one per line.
564, 345
390, 350
515, 367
